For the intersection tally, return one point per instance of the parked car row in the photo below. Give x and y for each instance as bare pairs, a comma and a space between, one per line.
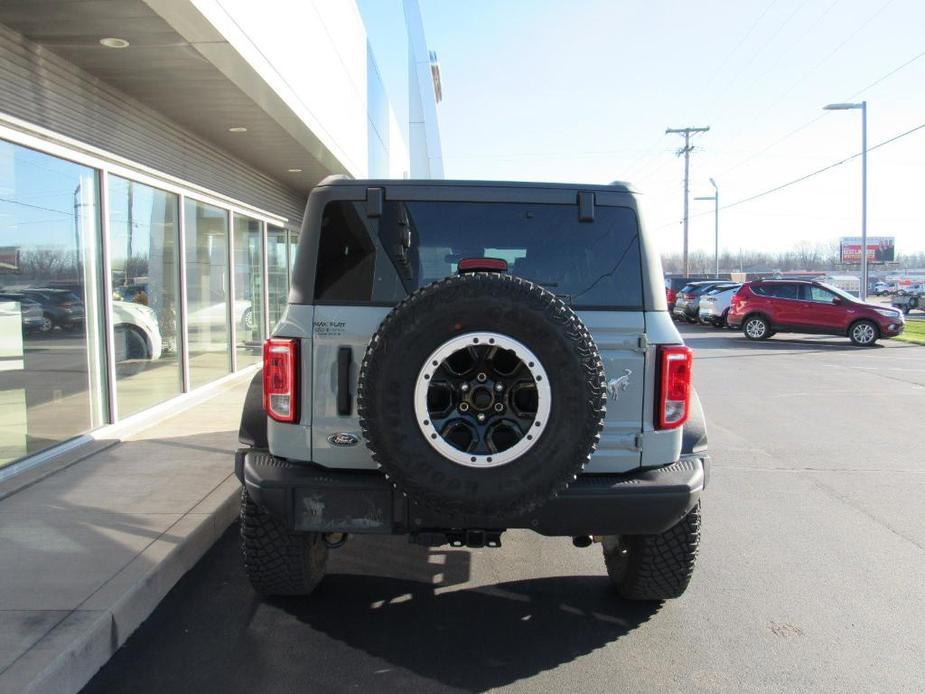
887, 289
763, 307
714, 305
702, 300
43, 309
909, 302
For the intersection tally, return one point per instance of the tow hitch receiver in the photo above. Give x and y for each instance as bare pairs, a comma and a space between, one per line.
474, 539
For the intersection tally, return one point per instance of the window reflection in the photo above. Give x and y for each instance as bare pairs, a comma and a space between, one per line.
277, 277
50, 363
248, 289
293, 247
143, 223
206, 237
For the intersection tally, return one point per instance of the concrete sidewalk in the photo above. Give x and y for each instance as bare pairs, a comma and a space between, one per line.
88, 552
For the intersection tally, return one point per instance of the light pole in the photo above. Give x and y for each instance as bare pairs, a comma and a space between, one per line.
863, 107
715, 199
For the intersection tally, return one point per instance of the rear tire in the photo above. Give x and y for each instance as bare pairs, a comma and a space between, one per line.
654, 567
277, 560
756, 328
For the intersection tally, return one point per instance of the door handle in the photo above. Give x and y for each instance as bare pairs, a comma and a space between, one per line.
344, 400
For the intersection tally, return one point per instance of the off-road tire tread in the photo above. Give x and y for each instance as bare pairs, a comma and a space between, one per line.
278, 561
559, 314
656, 567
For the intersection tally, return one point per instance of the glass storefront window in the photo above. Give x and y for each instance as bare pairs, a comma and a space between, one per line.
143, 224
248, 289
51, 366
277, 272
293, 246
206, 238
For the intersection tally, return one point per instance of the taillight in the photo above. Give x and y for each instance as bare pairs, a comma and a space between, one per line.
280, 376
675, 367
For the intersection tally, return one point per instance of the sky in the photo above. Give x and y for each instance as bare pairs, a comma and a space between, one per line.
583, 90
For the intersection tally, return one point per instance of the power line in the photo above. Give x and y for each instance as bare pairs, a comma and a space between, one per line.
805, 177
823, 114
759, 52
822, 170
779, 99
731, 53
786, 51
889, 74
36, 207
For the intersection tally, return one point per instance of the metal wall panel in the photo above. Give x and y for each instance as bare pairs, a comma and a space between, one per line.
38, 86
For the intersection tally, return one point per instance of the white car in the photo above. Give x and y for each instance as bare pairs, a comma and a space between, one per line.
215, 316
136, 331
714, 305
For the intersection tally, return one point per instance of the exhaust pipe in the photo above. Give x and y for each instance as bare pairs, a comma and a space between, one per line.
582, 541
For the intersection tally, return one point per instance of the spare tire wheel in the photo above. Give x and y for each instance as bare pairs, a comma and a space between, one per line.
481, 394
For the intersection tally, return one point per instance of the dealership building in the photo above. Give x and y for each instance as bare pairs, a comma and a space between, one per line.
155, 159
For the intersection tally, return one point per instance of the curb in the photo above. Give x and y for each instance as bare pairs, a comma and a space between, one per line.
72, 652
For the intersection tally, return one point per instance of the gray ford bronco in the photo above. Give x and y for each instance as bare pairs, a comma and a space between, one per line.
459, 358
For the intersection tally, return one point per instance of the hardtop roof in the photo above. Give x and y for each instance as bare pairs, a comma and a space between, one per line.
340, 180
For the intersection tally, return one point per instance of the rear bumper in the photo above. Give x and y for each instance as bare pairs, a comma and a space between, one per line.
311, 498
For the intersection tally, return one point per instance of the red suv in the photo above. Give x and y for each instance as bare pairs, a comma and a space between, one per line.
762, 308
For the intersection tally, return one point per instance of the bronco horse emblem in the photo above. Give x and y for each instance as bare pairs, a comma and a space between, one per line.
618, 385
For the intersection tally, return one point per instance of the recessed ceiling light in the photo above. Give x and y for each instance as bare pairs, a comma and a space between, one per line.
112, 42
294, 170
237, 129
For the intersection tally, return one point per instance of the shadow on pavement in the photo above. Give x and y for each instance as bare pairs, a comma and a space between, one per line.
389, 616
712, 338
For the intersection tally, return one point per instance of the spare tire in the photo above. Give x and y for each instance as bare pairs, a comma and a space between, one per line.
481, 394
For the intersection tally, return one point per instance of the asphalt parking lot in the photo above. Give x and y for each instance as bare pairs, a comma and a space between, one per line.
810, 575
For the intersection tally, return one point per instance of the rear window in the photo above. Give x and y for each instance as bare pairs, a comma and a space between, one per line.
588, 264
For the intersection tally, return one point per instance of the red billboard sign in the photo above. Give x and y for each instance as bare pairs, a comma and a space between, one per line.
880, 249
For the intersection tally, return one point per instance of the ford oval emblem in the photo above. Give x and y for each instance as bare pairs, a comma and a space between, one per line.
343, 439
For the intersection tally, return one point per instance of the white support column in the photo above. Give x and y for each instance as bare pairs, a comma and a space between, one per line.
232, 324
182, 303
108, 331
266, 280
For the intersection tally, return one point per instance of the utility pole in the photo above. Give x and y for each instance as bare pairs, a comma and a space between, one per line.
686, 151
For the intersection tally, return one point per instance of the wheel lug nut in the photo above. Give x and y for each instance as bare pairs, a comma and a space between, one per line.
499, 407
481, 378
464, 407
498, 387
464, 387
481, 416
